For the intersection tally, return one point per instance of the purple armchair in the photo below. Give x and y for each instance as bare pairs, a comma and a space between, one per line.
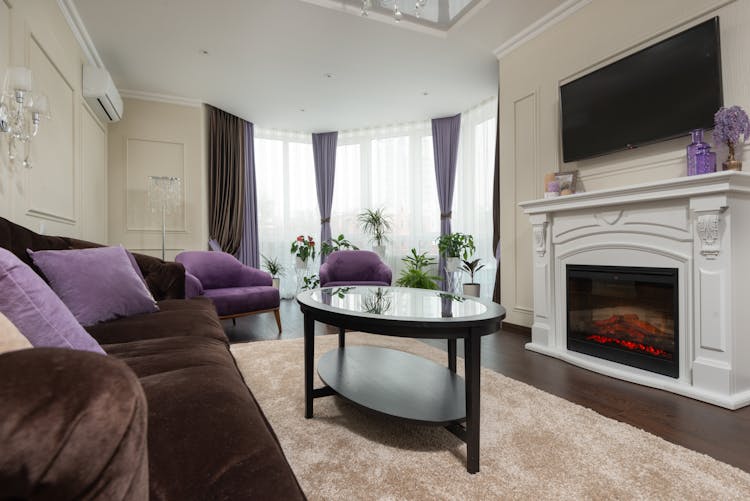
235, 289
354, 267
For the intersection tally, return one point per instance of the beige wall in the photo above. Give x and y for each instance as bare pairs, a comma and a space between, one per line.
157, 139
530, 76
65, 192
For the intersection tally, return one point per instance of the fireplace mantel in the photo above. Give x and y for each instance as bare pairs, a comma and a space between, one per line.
697, 225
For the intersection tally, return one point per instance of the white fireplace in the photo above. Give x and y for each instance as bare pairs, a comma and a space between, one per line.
697, 226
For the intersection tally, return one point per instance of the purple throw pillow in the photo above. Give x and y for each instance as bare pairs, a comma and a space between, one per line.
96, 284
137, 268
36, 311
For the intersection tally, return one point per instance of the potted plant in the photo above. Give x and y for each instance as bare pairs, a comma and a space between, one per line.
376, 224
275, 268
303, 249
471, 267
415, 274
454, 247
730, 123
310, 282
336, 244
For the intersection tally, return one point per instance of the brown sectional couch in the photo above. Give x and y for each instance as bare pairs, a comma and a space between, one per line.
169, 372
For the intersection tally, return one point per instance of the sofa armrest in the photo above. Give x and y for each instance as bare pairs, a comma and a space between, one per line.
250, 277
165, 280
385, 273
324, 274
193, 286
73, 425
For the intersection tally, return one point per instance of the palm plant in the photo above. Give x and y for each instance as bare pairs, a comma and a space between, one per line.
416, 275
376, 224
273, 266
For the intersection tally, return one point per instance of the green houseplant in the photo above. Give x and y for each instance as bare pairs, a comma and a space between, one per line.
303, 249
415, 274
275, 268
471, 267
336, 244
454, 247
376, 224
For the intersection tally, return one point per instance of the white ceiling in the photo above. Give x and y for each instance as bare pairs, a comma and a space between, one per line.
269, 59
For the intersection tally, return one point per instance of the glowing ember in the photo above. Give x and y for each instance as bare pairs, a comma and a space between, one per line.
630, 345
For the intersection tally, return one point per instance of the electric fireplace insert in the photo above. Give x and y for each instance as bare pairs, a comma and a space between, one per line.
627, 315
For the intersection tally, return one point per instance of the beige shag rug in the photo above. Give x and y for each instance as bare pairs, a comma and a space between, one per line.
533, 445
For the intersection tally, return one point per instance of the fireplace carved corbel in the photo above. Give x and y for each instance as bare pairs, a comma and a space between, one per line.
540, 238
708, 228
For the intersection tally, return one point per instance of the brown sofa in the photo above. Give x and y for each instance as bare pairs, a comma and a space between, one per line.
166, 416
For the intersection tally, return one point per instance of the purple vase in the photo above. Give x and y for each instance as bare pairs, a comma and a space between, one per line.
700, 158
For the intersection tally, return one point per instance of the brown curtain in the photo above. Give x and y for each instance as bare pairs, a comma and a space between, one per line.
226, 178
496, 206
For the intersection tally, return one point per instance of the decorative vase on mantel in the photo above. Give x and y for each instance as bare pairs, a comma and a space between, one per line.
700, 158
731, 163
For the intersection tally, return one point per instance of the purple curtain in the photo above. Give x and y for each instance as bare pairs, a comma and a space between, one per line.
324, 153
445, 133
249, 252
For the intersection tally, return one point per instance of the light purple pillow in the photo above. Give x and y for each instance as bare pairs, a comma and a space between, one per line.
96, 284
36, 311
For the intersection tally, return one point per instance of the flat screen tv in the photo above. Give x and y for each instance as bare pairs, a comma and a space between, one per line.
661, 92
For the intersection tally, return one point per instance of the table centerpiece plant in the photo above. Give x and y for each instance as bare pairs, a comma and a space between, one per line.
729, 124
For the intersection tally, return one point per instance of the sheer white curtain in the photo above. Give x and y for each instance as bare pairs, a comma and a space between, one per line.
389, 168
287, 201
472, 199
386, 167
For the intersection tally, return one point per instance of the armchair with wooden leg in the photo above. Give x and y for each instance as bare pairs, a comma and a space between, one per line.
235, 289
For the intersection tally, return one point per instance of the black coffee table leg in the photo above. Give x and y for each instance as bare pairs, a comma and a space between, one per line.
472, 361
309, 362
452, 355
342, 337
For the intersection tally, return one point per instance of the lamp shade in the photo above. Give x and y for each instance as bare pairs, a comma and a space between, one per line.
18, 78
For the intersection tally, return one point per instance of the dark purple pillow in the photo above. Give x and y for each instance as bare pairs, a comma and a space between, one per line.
36, 311
96, 284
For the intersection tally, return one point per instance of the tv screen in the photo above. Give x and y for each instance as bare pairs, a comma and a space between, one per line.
658, 93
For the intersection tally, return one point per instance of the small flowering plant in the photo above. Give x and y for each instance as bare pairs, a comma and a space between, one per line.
730, 123
303, 248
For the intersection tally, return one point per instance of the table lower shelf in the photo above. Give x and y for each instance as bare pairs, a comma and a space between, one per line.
395, 383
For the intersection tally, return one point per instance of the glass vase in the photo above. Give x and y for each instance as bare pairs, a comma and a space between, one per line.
700, 158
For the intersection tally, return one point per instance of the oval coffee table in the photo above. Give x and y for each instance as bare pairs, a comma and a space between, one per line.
392, 382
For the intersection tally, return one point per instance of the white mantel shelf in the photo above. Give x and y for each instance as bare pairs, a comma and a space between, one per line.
698, 225
681, 187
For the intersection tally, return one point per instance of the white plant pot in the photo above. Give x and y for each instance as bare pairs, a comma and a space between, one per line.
471, 290
452, 264
276, 281
379, 250
300, 264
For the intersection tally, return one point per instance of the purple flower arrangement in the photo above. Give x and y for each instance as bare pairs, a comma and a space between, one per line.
730, 123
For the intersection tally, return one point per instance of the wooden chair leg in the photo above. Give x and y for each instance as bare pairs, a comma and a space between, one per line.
277, 314
234, 322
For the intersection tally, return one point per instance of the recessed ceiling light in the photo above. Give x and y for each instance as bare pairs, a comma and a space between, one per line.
302, 110
328, 75
425, 93
204, 52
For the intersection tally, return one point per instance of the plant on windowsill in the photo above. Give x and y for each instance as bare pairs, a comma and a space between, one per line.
275, 268
454, 247
376, 224
416, 275
471, 267
336, 244
303, 249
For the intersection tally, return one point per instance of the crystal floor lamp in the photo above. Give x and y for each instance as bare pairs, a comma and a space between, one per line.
165, 195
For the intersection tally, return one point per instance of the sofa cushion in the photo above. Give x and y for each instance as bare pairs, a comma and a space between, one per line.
36, 311
176, 317
96, 284
236, 300
208, 438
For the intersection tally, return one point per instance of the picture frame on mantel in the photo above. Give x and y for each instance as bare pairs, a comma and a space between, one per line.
568, 181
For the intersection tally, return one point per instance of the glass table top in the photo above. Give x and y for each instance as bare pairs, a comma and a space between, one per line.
395, 302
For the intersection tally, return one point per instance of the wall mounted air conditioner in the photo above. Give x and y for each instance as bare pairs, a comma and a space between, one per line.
100, 92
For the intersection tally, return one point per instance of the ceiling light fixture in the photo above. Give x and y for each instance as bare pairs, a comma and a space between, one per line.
397, 13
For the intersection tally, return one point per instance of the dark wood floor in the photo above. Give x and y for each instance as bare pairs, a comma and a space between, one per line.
720, 433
